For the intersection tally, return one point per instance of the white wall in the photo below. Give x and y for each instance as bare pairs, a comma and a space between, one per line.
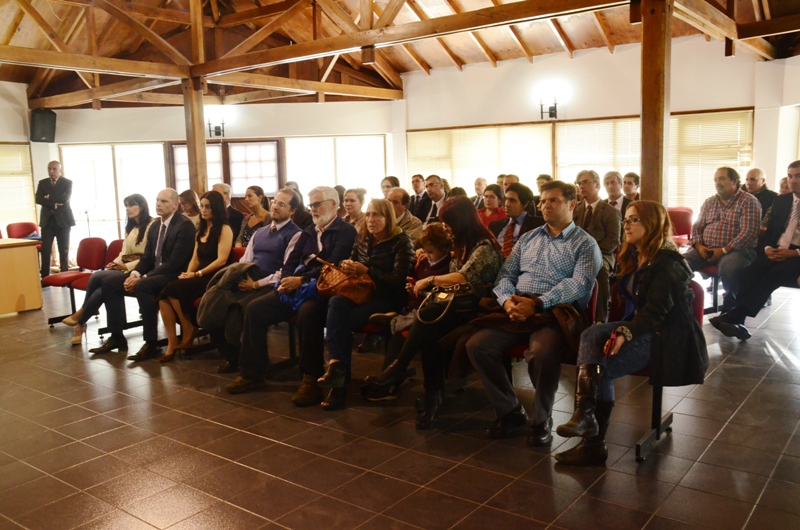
13, 113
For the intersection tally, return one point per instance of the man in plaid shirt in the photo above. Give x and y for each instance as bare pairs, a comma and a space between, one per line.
726, 232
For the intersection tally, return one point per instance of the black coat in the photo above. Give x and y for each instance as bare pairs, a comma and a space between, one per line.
235, 218
778, 219
421, 207
530, 222
679, 356
177, 251
47, 196
337, 244
389, 263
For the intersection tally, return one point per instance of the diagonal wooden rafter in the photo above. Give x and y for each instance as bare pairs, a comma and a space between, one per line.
516, 34
393, 7
258, 95
253, 15
158, 98
121, 12
138, 39
50, 33
268, 29
604, 30
487, 52
328, 64
81, 97
766, 28
259, 81
73, 23
415, 56
421, 15
16, 20
146, 11
562, 37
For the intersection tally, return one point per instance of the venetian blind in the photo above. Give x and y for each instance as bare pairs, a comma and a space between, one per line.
462, 155
16, 180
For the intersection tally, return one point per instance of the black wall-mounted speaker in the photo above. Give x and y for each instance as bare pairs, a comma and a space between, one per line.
43, 125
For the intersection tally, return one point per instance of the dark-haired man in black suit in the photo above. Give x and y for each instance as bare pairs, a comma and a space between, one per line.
53, 195
507, 231
170, 245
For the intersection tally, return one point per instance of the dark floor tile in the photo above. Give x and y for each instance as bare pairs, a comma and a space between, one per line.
219, 516
63, 457
762, 438
274, 499
149, 451
705, 509
576, 479
696, 426
91, 426
788, 469
452, 446
470, 483
228, 481
167, 422
17, 473
237, 445
130, 488
741, 458
485, 517
496, 457
33, 445
724, 481
603, 516
764, 518
782, 496
534, 501
719, 410
365, 453
325, 512
403, 434
116, 520
663, 523
243, 417
32, 495
373, 492
68, 512
277, 459
200, 433
170, 506
125, 436
280, 428
381, 522
414, 467
681, 446
185, 465
322, 474
140, 411
358, 422
639, 493
95, 471
321, 440
110, 402
431, 509
656, 466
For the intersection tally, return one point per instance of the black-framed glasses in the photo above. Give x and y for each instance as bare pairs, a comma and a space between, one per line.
631, 220
316, 204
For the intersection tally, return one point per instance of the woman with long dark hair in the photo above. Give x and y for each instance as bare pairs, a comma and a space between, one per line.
212, 247
258, 204
658, 331
476, 260
139, 220
384, 251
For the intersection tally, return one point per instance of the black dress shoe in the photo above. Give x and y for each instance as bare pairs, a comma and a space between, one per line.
433, 400
145, 352
540, 434
335, 376
734, 330
335, 399
510, 425
227, 368
112, 343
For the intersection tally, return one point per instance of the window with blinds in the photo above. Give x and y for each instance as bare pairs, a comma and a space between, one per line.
16, 180
699, 144
601, 145
462, 155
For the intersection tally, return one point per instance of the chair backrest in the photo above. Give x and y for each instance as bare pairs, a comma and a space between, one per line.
236, 254
21, 230
593, 304
92, 254
698, 304
681, 218
114, 248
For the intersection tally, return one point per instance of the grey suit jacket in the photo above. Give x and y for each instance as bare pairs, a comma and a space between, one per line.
604, 228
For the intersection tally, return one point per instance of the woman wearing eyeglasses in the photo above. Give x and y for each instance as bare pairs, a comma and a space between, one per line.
658, 331
492, 205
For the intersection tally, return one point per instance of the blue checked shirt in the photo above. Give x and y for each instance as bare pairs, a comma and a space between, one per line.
560, 269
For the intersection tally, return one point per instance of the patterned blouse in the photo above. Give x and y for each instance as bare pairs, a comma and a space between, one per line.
481, 267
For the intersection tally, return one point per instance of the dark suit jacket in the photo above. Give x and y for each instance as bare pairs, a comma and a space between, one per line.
177, 251
625, 203
528, 224
479, 204
337, 245
778, 220
604, 228
421, 207
61, 194
235, 218
302, 218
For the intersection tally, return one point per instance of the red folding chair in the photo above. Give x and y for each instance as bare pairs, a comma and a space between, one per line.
22, 231
681, 218
91, 257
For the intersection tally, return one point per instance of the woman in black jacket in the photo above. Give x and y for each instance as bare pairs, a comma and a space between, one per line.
384, 251
658, 331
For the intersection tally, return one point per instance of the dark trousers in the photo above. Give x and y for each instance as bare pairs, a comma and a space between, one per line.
269, 310
146, 292
344, 317
52, 232
546, 351
94, 293
759, 280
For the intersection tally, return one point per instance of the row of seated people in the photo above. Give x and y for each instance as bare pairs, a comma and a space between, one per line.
551, 266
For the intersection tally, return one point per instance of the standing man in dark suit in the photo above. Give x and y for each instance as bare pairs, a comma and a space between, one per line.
480, 187
420, 202
53, 195
601, 221
776, 266
235, 217
170, 245
507, 231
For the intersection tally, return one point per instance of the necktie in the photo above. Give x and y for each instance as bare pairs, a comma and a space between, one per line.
788, 235
508, 238
273, 229
613, 203
53, 182
434, 211
587, 219
162, 235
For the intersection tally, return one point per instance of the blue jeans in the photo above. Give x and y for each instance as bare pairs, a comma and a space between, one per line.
94, 294
344, 317
632, 357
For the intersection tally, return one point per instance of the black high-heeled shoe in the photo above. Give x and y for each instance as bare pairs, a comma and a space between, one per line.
335, 376
392, 376
433, 401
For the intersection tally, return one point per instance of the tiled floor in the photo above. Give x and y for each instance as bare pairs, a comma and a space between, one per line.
101, 443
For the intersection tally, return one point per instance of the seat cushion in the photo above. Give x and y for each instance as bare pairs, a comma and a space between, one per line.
62, 279
81, 283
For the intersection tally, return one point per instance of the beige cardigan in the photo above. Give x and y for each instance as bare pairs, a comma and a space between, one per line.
129, 246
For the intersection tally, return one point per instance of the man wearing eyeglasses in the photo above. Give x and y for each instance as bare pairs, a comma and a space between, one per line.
435, 188
778, 265
329, 238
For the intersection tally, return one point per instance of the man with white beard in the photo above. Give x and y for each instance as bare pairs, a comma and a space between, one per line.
332, 240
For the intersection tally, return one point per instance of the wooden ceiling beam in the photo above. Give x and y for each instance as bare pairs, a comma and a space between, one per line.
252, 15
196, 30
487, 52
81, 97
765, 28
87, 63
121, 12
268, 29
327, 67
604, 30
489, 17
516, 34
415, 56
365, 12
146, 11
562, 37
423, 16
359, 75
393, 8
50, 34
215, 10
255, 95
157, 98
74, 23
303, 86
16, 20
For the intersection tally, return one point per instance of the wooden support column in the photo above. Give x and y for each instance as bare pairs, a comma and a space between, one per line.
656, 56
195, 134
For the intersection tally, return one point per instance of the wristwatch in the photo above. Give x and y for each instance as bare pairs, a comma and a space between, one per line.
625, 332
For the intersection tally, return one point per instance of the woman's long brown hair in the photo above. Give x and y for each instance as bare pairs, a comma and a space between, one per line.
461, 216
657, 230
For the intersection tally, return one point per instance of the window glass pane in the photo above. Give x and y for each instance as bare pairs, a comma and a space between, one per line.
140, 169
213, 166
16, 180
237, 152
361, 163
249, 167
269, 151
310, 162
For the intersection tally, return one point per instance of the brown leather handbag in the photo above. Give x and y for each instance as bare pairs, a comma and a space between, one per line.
333, 281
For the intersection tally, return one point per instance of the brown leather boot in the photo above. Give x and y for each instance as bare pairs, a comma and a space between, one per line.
583, 422
309, 393
591, 451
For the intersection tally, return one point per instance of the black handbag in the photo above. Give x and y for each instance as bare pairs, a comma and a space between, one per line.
460, 299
